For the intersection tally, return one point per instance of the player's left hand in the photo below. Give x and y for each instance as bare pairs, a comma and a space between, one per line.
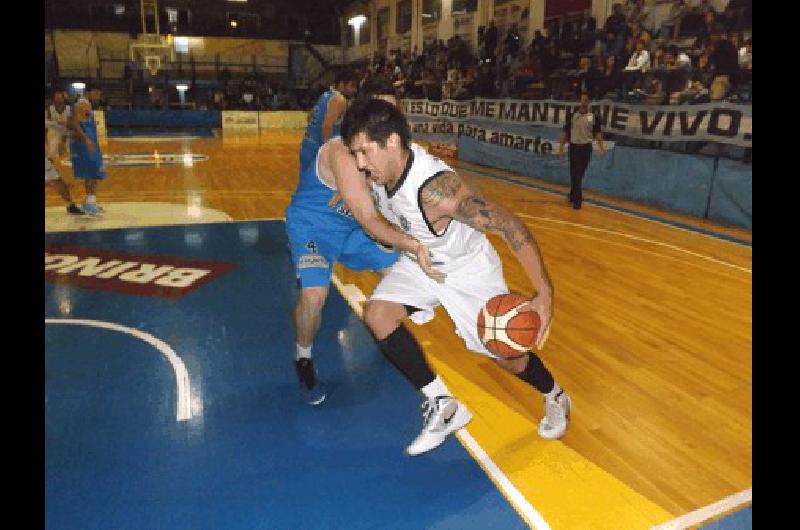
543, 305
334, 200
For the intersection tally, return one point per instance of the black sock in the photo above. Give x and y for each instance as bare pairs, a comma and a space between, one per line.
404, 353
537, 375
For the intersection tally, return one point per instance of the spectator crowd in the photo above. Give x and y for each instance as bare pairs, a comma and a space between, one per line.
695, 55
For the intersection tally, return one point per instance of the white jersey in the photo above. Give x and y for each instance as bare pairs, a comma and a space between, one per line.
473, 268
457, 244
57, 121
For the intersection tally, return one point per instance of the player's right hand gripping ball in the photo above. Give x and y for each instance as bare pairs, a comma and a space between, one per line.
505, 330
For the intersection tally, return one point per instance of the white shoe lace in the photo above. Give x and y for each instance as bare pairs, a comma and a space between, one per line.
554, 412
428, 408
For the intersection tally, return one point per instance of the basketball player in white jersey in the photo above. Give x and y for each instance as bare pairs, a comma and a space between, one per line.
53, 178
430, 202
56, 117
352, 184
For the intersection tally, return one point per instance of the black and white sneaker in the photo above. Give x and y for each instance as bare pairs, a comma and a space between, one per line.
556, 416
440, 417
74, 209
312, 390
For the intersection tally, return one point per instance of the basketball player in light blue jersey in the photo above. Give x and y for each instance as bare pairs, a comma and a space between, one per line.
325, 119
322, 231
87, 160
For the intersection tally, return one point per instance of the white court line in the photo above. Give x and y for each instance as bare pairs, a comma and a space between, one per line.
354, 298
181, 375
707, 512
637, 238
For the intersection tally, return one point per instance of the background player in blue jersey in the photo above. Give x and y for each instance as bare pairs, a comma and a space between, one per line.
325, 119
87, 160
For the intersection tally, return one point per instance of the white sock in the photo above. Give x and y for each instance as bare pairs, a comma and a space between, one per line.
435, 388
90, 199
553, 393
303, 352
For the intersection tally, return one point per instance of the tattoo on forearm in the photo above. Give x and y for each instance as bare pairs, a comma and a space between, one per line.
476, 212
442, 187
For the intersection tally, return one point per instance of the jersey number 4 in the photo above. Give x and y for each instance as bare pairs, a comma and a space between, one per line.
312, 247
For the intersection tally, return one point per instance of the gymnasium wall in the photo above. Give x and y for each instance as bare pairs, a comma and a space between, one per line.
79, 52
702, 186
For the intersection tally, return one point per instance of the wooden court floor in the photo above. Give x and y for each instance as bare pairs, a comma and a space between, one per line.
652, 335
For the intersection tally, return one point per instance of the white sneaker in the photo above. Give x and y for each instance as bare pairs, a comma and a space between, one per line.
440, 417
556, 416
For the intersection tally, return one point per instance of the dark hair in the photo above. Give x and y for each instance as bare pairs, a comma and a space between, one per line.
345, 75
376, 85
376, 118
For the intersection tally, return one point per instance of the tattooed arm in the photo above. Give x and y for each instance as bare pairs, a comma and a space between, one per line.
448, 195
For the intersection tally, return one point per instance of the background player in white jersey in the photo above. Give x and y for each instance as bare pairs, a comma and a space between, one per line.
53, 177
429, 201
56, 116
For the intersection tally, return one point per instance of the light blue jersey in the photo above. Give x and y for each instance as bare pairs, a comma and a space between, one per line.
85, 164
312, 196
312, 141
319, 235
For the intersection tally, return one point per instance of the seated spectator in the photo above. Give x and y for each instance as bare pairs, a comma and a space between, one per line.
430, 86
484, 83
538, 42
746, 55
657, 59
585, 77
744, 91
529, 72
682, 60
673, 76
466, 84
638, 64
609, 82
699, 85
725, 60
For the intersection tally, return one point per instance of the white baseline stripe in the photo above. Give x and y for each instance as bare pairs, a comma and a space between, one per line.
707, 512
355, 297
637, 238
181, 375
512, 493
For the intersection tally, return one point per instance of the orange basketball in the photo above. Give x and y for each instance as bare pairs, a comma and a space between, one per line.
506, 331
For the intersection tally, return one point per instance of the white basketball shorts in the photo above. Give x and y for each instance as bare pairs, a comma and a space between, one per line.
50, 171
464, 292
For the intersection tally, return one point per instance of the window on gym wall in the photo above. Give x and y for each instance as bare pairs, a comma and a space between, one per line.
403, 21
360, 25
383, 27
461, 7
431, 11
177, 19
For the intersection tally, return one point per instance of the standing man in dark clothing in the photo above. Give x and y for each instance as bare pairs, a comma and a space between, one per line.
581, 126
512, 41
490, 38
